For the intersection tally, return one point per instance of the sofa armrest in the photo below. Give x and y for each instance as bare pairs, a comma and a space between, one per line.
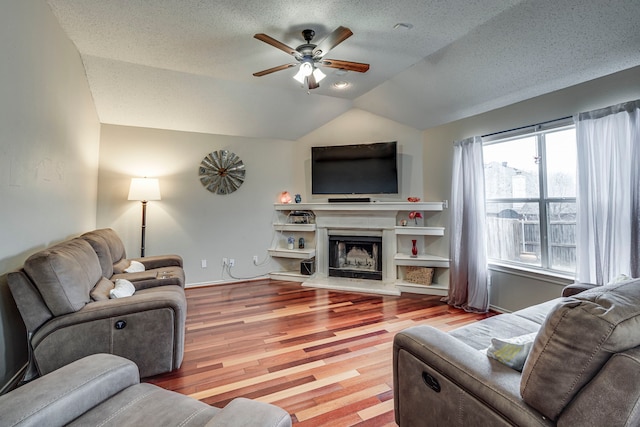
61, 396
485, 382
576, 288
249, 413
159, 261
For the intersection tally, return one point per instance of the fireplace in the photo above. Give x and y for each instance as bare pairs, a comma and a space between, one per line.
355, 257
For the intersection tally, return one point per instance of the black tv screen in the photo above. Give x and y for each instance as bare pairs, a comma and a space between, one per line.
355, 169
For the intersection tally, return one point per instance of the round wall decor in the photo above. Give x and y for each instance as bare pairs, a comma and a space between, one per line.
221, 172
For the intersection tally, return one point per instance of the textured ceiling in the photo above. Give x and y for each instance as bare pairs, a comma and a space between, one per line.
187, 65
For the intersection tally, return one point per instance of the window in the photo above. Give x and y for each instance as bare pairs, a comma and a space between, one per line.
530, 185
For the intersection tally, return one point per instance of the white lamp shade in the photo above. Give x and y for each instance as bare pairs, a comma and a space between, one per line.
144, 189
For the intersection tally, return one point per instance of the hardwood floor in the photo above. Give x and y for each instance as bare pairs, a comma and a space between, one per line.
323, 356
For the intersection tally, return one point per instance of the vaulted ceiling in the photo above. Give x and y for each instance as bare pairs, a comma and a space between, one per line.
188, 64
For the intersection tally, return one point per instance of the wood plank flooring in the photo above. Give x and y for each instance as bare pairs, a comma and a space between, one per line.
324, 356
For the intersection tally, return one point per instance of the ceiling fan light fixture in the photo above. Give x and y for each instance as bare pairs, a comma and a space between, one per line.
309, 55
305, 70
319, 75
300, 76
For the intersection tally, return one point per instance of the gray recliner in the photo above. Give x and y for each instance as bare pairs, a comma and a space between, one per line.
63, 297
583, 368
105, 390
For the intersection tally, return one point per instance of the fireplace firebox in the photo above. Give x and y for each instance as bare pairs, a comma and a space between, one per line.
355, 257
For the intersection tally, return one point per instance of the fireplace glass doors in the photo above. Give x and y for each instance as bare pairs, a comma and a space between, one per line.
356, 257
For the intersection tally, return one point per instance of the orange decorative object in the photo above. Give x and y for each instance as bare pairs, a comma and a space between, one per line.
285, 197
413, 199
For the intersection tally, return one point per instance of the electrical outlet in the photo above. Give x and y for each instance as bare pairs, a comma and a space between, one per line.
232, 262
203, 263
224, 262
255, 259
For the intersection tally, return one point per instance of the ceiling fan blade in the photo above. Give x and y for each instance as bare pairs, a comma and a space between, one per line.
273, 70
345, 65
275, 43
339, 35
313, 84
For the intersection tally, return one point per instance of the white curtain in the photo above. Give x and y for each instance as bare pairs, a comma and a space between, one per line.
468, 287
608, 222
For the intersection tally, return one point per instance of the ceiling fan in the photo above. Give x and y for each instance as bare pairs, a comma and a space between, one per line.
310, 56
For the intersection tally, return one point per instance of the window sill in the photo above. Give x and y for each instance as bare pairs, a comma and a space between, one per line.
555, 277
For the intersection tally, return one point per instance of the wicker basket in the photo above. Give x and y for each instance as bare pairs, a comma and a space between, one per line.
419, 275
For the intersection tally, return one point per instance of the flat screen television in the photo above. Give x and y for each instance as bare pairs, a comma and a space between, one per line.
355, 169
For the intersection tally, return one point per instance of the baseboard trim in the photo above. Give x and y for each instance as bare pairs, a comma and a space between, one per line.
224, 282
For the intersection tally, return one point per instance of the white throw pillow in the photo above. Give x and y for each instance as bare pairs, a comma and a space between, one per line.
512, 352
134, 267
123, 288
619, 278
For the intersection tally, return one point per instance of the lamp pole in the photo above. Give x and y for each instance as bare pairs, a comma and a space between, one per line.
144, 226
144, 189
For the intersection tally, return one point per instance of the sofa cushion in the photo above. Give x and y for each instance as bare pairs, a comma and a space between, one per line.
120, 266
30, 304
100, 291
102, 249
65, 274
578, 337
116, 246
479, 334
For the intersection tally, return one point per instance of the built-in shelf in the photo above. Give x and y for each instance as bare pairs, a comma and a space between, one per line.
423, 260
293, 253
420, 231
359, 218
433, 289
294, 227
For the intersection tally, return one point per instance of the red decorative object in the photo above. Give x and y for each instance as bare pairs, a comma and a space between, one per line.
413, 199
414, 215
414, 249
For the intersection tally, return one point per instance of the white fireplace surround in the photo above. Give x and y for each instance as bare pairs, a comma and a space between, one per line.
359, 219
358, 223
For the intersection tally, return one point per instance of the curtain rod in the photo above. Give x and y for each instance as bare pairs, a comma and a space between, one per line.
525, 127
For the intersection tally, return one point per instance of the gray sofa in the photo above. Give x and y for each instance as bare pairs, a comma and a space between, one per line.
105, 390
159, 269
583, 368
62, 294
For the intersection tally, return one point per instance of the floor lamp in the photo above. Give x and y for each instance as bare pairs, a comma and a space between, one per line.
144, 190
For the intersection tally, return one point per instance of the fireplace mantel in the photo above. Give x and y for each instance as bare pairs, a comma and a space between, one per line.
380, 218
367, 206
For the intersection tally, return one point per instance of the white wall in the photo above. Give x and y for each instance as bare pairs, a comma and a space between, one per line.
190, 220
196, 224
511, 292
49, 137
